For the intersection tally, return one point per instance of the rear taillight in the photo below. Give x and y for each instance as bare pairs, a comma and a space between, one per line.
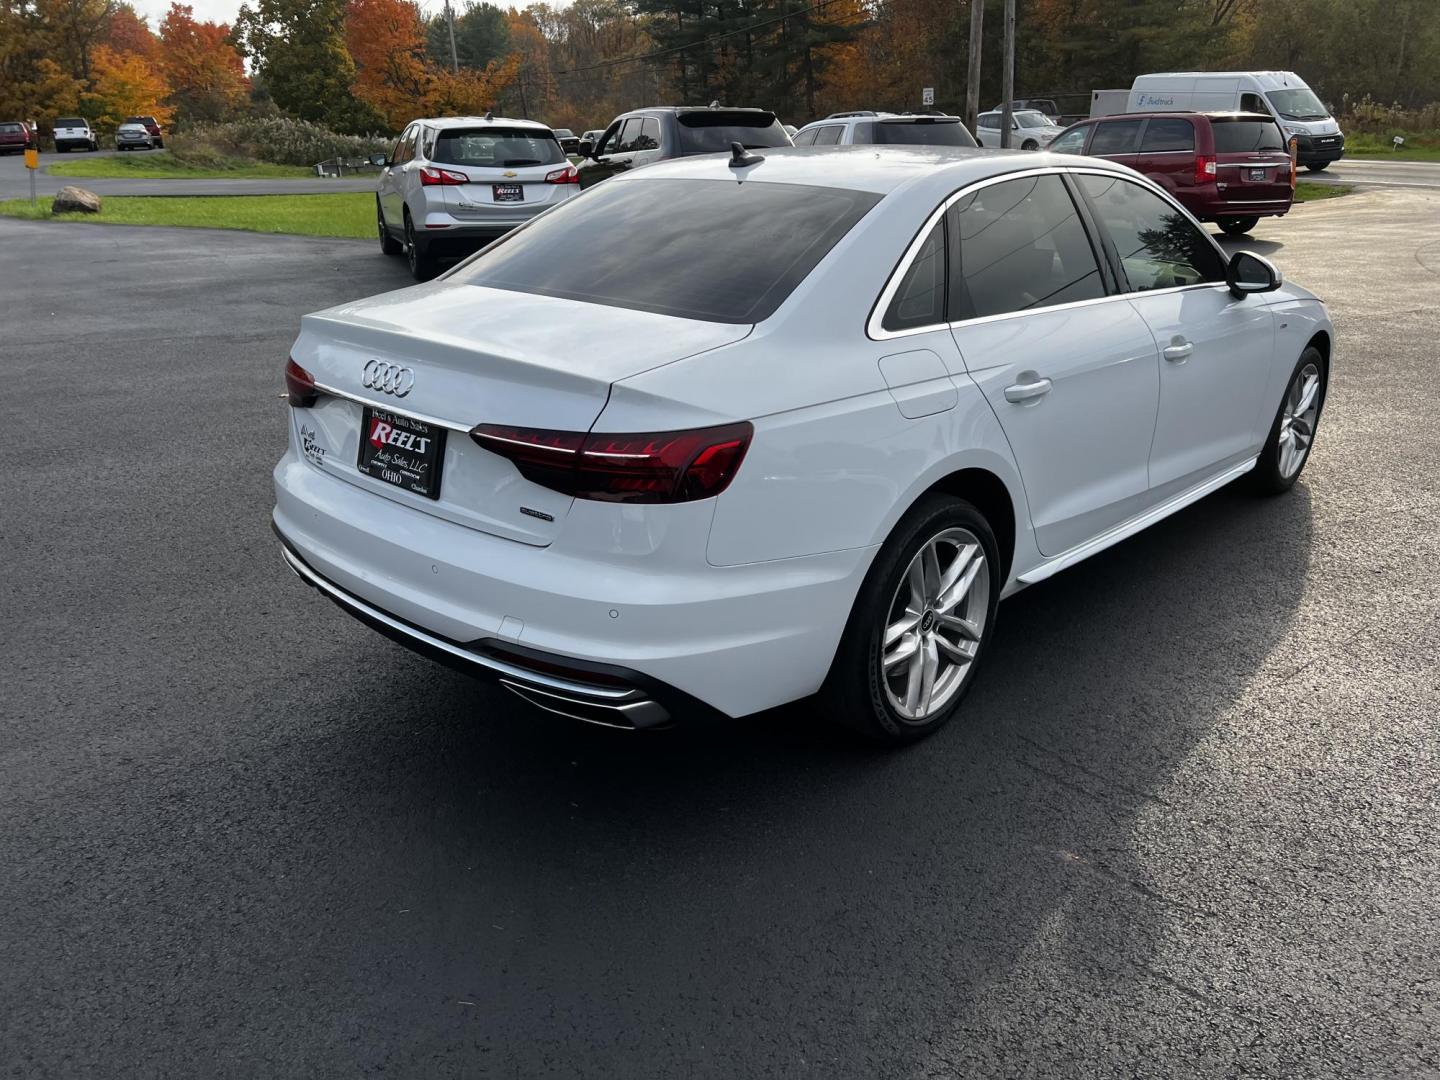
1204, 168
567, 175
299, 386
433, 177
657, 467
1294, 160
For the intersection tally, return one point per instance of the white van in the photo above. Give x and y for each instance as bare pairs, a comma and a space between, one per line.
1282, 94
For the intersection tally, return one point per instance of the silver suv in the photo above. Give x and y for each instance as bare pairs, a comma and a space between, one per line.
884, 129
452, 185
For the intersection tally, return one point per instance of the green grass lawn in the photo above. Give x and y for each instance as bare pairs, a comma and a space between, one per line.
345, 214
1308, 191
1424, 147
162, 165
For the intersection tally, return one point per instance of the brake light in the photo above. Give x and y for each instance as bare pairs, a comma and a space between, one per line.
299, 386
567, 175
1204, 168
433, 177
656, 467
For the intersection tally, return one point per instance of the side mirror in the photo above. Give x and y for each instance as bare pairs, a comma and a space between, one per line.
379, 160
1249, 273
585, 148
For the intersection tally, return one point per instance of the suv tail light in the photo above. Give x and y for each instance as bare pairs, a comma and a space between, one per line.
567, 175
299, 386
656, 467
1204, 168
432, 177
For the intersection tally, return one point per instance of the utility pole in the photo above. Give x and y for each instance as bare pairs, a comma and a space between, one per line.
1007, 76
972, 88
450, 22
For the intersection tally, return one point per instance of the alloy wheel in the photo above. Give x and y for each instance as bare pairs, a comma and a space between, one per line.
1298, 419
935, 624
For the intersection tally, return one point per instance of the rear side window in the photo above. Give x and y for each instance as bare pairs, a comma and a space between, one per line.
1021, 245
712, 131
497, 148
1167, 137
920, 300
1115, 137
713, 250
828, 136
914, 133
806, 138
1246, 136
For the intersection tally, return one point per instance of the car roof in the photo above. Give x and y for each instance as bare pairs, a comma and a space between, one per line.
1214, 114
867, 116
878, 169
678, 109
480, 121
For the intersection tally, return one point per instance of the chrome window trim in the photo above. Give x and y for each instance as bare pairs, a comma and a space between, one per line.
874, 328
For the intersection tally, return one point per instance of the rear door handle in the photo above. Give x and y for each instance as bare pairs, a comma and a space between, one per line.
1027, 391
1178, 352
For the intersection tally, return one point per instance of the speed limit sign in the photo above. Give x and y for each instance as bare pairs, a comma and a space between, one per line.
927, 96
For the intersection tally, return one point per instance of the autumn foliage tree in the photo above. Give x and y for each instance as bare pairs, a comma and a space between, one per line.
206, 75
124, 84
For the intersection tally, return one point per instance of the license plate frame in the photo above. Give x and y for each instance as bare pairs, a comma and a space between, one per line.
507, 192
1256, 176
389, 451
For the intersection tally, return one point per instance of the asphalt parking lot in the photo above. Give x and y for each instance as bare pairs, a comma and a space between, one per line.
1188, 827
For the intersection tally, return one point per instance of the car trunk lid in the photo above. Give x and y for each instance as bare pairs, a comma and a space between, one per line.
444, 357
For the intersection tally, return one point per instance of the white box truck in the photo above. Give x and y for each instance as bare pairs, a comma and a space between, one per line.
1282, 94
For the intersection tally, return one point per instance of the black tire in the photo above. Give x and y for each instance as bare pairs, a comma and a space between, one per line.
159, 144
1029, 144
1236, 226
1270, 475
856, 693
1318, 167
422, 262
388, 244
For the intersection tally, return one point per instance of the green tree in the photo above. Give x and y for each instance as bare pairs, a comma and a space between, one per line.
298, 50
482, 34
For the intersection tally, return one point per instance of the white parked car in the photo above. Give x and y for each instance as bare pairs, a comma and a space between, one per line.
450, 186
792, 435
1030, 129
74, 131
884, 129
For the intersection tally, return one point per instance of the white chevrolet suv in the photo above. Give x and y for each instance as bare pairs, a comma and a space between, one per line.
796, 423
452, 185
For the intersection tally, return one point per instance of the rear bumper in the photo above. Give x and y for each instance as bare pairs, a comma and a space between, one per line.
632, 599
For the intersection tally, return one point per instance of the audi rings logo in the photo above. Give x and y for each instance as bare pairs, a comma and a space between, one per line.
388, 378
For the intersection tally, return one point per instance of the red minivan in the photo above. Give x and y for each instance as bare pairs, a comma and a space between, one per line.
1229, 168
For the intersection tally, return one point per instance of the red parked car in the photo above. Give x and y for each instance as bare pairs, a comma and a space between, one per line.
15, 136
1229, 168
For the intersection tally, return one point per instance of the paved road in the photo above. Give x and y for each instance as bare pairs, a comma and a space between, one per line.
1378, 172
1189, 828
15, 183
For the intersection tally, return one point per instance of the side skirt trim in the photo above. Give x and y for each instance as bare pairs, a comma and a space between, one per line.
1127, 529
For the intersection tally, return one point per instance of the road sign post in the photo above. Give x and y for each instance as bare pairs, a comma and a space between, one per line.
32, 162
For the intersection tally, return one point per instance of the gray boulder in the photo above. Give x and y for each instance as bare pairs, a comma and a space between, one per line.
73, 200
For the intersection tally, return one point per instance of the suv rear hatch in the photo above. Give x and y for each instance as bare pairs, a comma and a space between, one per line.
1252, 164
505, 169
441, 359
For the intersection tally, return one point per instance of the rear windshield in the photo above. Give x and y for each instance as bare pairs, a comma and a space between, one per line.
1246, 136
69, 121
499, 148
946, 132
713, 132
564, 133
713, 250
10, 129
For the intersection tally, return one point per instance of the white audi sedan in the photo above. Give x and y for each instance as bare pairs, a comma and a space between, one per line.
794, 423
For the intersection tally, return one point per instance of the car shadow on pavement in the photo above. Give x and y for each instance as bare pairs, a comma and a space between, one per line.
768, 887
1258, 245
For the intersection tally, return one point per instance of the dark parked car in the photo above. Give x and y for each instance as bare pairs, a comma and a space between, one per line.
15, 137
644, 136
569, 141
1229, 168
152, 126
